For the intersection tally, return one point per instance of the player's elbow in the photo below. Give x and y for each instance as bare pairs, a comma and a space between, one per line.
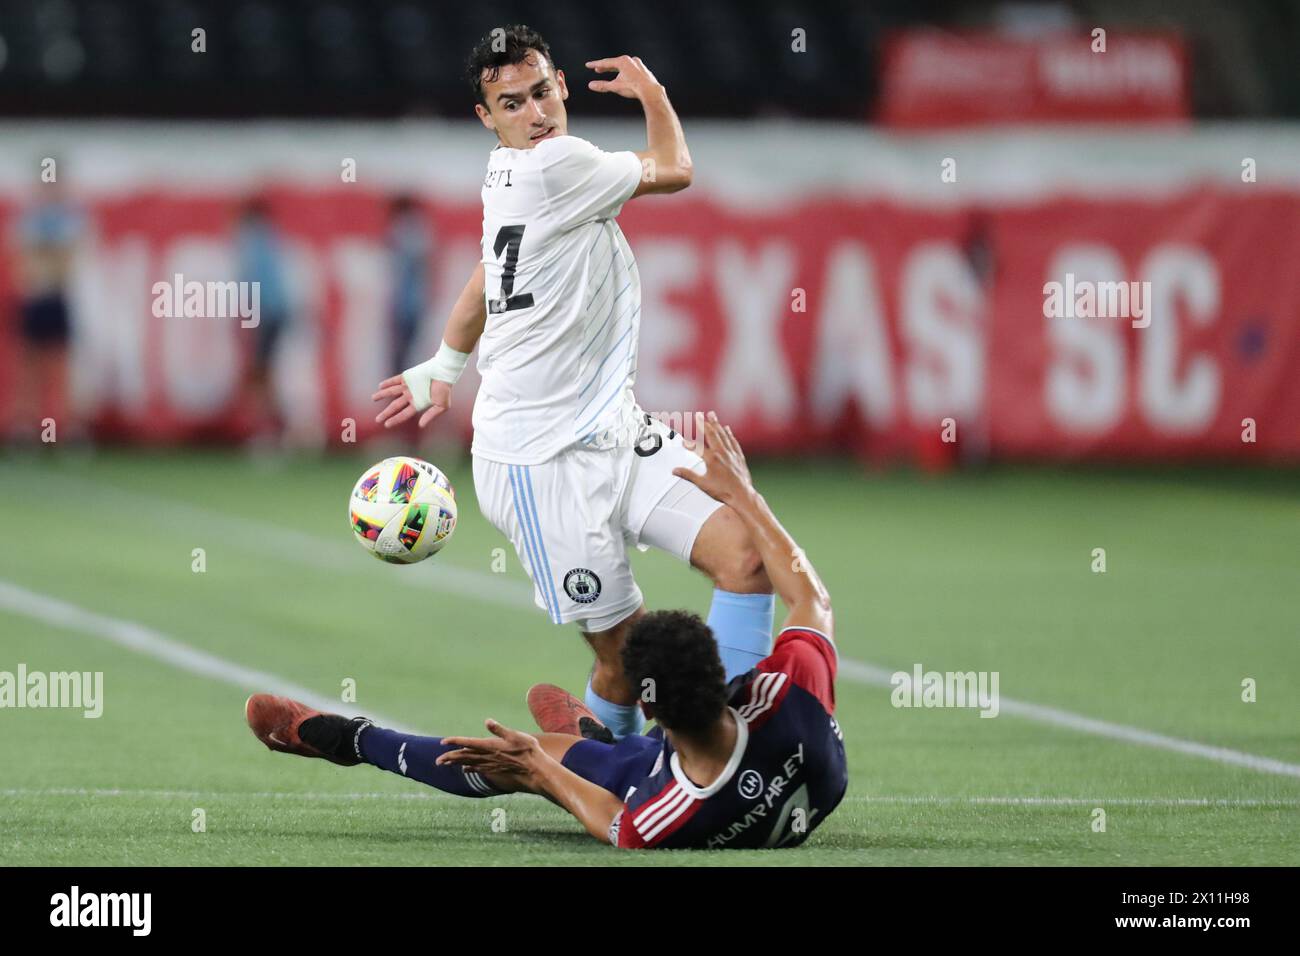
673, 177
681, 178
672, 180
663, 174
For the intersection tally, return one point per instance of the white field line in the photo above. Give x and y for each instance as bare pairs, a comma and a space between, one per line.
151, 643
426, 794
333, 554
922, 801
327, 555
938, 801
880, 677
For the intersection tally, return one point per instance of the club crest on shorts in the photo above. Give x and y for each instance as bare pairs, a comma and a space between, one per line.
582, 585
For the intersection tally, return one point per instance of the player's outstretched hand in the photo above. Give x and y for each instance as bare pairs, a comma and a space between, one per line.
633, 79
401, 407
726, 474
511, 752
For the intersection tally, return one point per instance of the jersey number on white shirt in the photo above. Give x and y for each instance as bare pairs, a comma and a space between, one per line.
509, 238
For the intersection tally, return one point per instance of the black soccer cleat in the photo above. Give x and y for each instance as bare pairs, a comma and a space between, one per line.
593, 729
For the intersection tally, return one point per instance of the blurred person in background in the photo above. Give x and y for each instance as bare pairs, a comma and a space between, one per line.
46, 241
409, 242
260, 258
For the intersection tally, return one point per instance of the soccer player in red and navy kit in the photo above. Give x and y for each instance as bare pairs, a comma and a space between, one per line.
758, 762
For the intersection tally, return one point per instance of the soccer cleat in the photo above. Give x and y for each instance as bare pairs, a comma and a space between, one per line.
559, 712
293, 728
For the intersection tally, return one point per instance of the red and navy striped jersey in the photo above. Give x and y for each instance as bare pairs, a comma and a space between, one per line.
784, 778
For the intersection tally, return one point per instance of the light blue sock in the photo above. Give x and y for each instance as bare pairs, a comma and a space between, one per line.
742, 624
621, 719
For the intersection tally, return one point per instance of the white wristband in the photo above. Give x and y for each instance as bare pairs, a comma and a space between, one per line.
447, 366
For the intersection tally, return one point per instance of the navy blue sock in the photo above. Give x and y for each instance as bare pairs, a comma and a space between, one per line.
412, 756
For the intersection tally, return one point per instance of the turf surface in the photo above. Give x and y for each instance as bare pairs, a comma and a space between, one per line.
987, 571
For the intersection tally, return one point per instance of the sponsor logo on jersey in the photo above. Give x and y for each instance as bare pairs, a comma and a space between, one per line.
775, 802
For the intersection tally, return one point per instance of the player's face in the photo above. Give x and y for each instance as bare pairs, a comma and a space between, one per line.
525, 103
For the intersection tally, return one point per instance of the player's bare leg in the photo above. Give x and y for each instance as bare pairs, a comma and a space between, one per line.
264, 406
52, 370
24, 412
740, 616
609, 695
743, 606
723, 550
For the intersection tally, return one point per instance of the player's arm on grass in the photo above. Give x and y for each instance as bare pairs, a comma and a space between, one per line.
427, 387
727, 479
513, 760
666, 160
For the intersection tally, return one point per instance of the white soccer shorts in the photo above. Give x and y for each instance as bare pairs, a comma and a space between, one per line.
572, 519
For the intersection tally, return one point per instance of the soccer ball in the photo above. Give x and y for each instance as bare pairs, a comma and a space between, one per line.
402, 510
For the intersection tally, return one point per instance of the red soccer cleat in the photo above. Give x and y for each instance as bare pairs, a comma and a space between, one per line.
559, 712
276, 722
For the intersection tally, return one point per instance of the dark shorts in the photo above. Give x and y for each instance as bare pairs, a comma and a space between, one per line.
617, 767
270, 330
45, 320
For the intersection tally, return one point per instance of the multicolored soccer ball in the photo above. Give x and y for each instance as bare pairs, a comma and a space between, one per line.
402, 510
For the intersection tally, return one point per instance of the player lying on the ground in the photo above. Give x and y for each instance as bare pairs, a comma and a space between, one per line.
758, 762
566, 464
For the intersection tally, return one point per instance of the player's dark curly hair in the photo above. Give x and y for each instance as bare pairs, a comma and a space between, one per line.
515, 45
677, 651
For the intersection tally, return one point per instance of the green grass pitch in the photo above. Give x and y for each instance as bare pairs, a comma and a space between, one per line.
986, 571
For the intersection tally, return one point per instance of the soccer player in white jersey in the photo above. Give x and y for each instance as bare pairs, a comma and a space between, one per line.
566, 464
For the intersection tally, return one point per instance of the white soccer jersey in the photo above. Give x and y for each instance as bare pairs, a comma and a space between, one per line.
558, 355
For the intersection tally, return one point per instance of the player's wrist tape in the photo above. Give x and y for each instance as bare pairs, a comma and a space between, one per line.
447, 366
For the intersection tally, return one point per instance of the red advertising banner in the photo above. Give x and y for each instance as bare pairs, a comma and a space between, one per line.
932, 79
831, 324
1211, 369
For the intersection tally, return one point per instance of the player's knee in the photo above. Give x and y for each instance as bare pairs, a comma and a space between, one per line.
739, 567
607, 645
746, 574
